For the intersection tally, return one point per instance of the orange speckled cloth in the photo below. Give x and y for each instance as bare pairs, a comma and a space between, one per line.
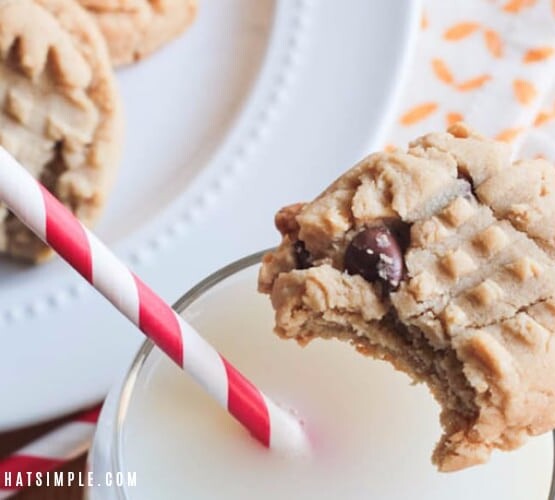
490, 63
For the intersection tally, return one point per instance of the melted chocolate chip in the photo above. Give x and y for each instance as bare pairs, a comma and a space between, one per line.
302, 255
376, 255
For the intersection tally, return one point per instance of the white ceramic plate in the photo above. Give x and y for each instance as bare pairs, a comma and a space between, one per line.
261, 103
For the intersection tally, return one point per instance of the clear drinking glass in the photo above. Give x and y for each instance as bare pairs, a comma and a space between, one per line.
371, 432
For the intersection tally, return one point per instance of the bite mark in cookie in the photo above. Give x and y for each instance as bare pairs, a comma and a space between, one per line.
440, 261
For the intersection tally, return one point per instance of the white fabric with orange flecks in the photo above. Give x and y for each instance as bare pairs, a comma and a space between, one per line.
490, 63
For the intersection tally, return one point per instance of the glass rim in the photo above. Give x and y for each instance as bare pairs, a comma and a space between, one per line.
130, 378
140, 358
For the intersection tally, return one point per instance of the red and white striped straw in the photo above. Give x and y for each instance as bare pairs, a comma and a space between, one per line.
273, 426
48, 453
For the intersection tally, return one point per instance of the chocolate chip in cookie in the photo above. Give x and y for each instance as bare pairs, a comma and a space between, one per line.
302, 255
375, 254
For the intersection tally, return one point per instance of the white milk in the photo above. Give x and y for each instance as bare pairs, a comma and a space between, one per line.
372, 432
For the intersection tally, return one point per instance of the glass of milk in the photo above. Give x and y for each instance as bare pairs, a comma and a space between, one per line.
371, 431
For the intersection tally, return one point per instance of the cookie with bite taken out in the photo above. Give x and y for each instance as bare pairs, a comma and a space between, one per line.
441, 260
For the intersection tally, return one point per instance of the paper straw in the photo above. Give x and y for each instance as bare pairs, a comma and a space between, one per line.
273, 426
48, 452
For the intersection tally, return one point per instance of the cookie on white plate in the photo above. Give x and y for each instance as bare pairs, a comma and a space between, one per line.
135, 28
61, 114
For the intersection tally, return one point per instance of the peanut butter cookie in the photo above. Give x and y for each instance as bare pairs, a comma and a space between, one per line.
136, 28
61, 115
441, 260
